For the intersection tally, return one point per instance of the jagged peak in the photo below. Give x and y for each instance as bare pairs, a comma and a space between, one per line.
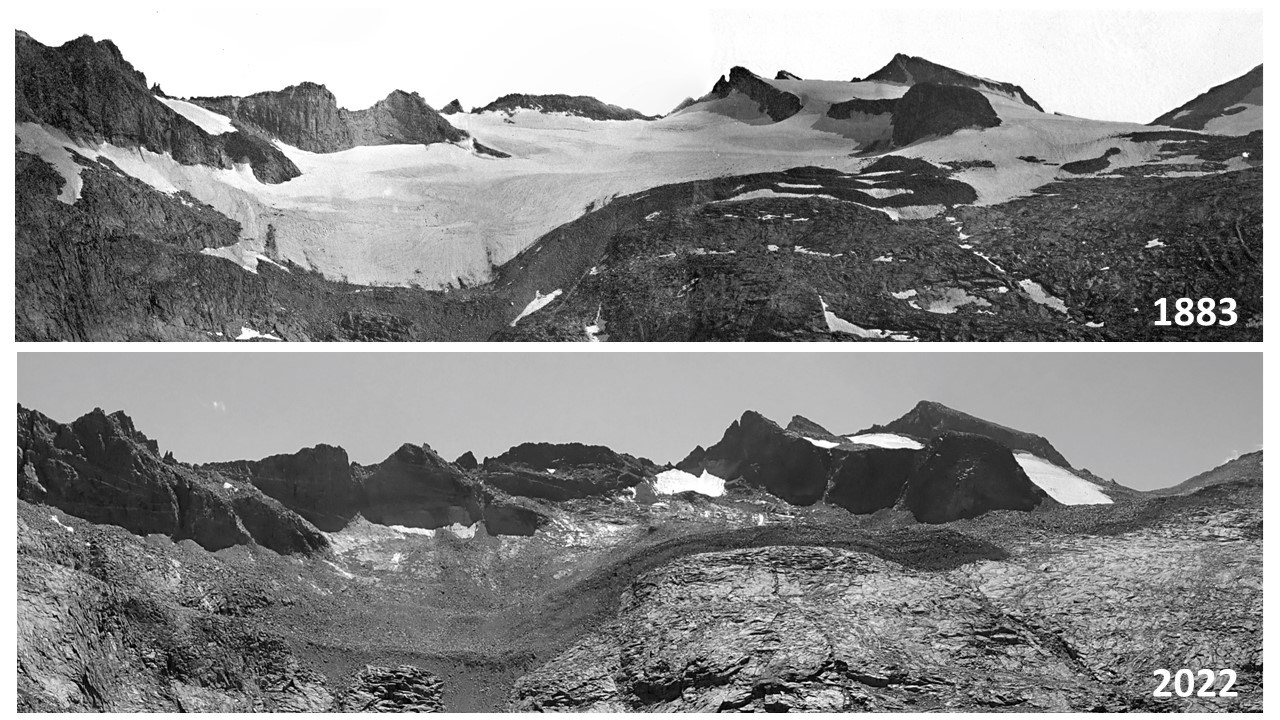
912, 69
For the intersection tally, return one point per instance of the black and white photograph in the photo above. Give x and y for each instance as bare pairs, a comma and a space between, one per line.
637, 172
639, 532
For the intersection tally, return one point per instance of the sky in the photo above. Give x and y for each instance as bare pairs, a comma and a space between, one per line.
1092, 61
1146, 420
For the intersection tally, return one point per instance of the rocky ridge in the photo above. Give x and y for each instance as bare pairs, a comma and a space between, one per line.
307, 116
89, 91
583, 106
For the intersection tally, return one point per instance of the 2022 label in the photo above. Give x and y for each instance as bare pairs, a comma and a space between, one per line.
1184, 683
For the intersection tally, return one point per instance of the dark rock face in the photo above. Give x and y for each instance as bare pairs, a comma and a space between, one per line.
777, 104
963, 476
453, 108
858, 106
930, 109
400, 689
307, 116
417, 488
89, 91
910, 70
1215, 102
510, 516
579, 105
557, 472
784, 75
763, 455
317, 483
103, 470
870, 479
467, 461
807, 427
929, 420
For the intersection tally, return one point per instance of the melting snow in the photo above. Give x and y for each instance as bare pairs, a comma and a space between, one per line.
248, 333
1061, 484
341, 571
58, 522
208, 121
824, 444
807, 251
462, 531
538, 302
227, 486
885, 440
670, 482
1154, 244
1039, 295
771, 248
837, 324
884, 258
904, 294
652, 215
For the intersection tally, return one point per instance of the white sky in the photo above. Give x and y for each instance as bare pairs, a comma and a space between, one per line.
1097, 62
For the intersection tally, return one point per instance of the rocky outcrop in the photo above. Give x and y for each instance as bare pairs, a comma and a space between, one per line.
933, 110
102, 469
784, 75
963, 476
909, 70
89, 91
1221, 101
307, 116
777, 104
857, 106
577, 105
563, 471
418, 488
467, 461
400, 689
453, 108
760, 454
317, 483
929, 420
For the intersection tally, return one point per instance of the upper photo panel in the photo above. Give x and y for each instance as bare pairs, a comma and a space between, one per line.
651, 172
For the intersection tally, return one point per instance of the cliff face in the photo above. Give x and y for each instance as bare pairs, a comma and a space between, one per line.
963, 476
316, 482
565, 471
307, 116
101, 469
777, 104
89, 91
930, 110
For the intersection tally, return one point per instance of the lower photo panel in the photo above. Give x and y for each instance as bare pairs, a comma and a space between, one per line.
639, 532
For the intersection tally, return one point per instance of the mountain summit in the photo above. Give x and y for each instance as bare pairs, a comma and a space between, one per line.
910, 70
1232, 108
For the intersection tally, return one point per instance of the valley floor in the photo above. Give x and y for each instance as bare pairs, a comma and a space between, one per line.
687, 605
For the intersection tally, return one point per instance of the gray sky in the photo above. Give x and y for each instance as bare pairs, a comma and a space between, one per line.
1105, 64
1144, 419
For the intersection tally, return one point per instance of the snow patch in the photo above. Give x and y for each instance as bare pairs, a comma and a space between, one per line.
1061, 484
248, 333
824, 444
1039, 295
670, 482
538, 302
885, 440
837, 324
1156, 243
58, 522
207, 120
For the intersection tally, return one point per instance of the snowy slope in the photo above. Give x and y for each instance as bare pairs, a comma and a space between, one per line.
1061, 484
435, 216
208, 121
885, 440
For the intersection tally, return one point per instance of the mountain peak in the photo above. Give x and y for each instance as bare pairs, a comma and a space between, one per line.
910, 70
930, 419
